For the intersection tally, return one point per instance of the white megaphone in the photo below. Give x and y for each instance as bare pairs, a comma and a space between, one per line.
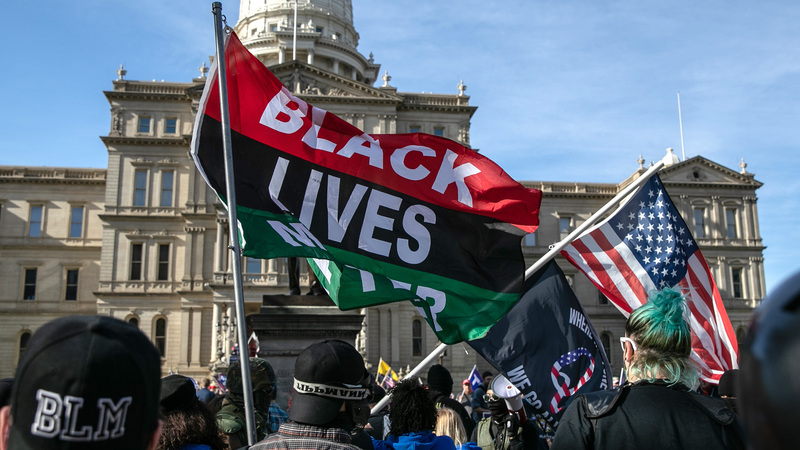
513, 397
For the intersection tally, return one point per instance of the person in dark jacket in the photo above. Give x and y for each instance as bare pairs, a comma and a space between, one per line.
440, 389
479, 406
655, 409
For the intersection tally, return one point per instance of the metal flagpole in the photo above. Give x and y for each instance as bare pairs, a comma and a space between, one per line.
294, 34
435, 353
593, 219
233, 228
680, 121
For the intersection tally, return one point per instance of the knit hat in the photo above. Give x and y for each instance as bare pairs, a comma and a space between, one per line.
177, 392
440, 380
326, 374
86, 382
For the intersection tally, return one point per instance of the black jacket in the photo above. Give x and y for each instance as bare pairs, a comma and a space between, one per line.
648, 415
455, 405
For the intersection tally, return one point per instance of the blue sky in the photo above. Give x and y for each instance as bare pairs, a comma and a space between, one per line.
566, 90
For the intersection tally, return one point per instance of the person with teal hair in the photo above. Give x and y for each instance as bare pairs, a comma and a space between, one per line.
655, 408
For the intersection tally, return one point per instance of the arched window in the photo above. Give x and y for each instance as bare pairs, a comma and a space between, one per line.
160, 336
416, 337
605, 339
133, 320
23, 344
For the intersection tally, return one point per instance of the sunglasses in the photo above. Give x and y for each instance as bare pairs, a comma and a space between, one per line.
623, 340
490, 397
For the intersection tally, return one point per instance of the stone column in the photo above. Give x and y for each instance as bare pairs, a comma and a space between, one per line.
196, 337
183, 358
395, 337
188, 257
215, 314
221, 246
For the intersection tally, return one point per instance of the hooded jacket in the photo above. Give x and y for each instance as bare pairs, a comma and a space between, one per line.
419, 440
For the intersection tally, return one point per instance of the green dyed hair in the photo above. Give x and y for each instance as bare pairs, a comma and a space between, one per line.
663, 340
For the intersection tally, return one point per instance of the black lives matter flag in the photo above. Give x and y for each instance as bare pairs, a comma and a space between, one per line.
383, 218
546, 346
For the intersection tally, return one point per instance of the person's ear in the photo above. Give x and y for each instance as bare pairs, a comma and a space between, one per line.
628, 355
5, 426
153, 439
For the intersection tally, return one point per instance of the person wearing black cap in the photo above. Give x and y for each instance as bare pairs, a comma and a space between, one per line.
767, 386
188, 423
330, 401
440, 389
84, 382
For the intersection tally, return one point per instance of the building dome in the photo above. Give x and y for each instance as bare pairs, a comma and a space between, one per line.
326, 37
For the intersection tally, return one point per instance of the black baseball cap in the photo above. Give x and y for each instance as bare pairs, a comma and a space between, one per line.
326, 374
86, 382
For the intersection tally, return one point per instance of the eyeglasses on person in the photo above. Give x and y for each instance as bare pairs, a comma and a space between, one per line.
623, 340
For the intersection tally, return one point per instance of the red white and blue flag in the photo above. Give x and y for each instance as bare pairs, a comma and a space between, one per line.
644, 246
475, 378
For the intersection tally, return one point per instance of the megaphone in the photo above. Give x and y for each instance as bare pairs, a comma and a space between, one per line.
512, 396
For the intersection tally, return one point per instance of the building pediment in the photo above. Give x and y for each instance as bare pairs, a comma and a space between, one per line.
699, 170
315, 84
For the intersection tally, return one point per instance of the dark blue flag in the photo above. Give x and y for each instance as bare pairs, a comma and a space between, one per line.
546, 346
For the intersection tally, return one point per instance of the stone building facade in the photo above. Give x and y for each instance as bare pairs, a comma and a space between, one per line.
145, 240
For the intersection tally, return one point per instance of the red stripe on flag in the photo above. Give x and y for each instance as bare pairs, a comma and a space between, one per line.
700, 299
621, 264
605, 285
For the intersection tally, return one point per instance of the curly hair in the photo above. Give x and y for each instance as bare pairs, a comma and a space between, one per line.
194, 424
411, 409
663, 340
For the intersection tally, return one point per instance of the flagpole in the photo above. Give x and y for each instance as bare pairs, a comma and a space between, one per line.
434, 354
233, 228
593, 219
294, 34
680, 121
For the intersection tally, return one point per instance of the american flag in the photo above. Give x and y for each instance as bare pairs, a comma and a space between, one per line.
645, 245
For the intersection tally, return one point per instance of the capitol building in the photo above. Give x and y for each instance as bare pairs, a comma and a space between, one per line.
145, 239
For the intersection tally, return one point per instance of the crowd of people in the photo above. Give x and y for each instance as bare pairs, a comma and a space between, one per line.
94, 382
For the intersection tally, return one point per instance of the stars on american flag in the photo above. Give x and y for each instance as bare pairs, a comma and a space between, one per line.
653, 220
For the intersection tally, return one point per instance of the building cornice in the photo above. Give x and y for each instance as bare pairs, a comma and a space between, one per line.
181, 141
52, 175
